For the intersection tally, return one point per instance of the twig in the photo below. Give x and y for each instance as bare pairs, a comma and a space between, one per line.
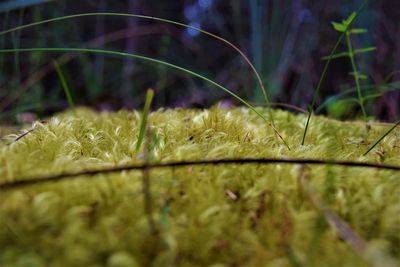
63, 176
343, 230
23, 135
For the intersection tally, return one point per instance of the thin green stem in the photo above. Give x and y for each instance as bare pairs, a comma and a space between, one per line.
145, 115
146, 184
355, 74
148, 59
64, 84
325, 70
382, 137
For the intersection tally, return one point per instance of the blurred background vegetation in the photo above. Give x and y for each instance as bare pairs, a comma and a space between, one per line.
286, 40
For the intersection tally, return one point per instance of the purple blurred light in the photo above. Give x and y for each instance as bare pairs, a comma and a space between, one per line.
305, 16
193, 32
205, 4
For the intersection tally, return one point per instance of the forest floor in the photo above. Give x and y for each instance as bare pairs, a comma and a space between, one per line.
201, 215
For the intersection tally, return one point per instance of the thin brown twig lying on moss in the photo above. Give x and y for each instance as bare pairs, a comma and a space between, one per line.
342, 228
22, 135
63, 176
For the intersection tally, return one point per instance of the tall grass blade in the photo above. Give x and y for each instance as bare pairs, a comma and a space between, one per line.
382, 137
242, 54
325, 70
146, 185
64, 84
145, 115
237, 49
148, 59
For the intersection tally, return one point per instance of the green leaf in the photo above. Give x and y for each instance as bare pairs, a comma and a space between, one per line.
339, 27
338, 55
358, 31
355, 52
359, 75
350, 19
372, 96
338, 109
364, 50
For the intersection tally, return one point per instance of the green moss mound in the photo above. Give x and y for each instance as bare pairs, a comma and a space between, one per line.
233, 215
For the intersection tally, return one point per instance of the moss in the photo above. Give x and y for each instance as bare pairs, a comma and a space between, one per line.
236, 215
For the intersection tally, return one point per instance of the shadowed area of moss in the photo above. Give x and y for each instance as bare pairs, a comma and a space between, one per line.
235, 215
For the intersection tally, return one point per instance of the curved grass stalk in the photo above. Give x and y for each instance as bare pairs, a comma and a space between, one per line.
325, 70
148, 59
80, 15
237, 49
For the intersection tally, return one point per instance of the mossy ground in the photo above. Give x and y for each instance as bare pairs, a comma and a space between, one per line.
236, 215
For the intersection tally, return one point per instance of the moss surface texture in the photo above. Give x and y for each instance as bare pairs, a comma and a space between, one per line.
209, 215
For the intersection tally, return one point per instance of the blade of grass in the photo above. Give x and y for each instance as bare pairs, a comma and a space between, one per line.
237, 49
64, 84
80, 15
145, 115
148, 59
146, 185
325, 70
381, 138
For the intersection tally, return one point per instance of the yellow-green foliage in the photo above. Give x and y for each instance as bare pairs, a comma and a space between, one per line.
234, 215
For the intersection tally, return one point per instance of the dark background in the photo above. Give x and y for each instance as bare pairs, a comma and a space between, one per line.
286, 40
